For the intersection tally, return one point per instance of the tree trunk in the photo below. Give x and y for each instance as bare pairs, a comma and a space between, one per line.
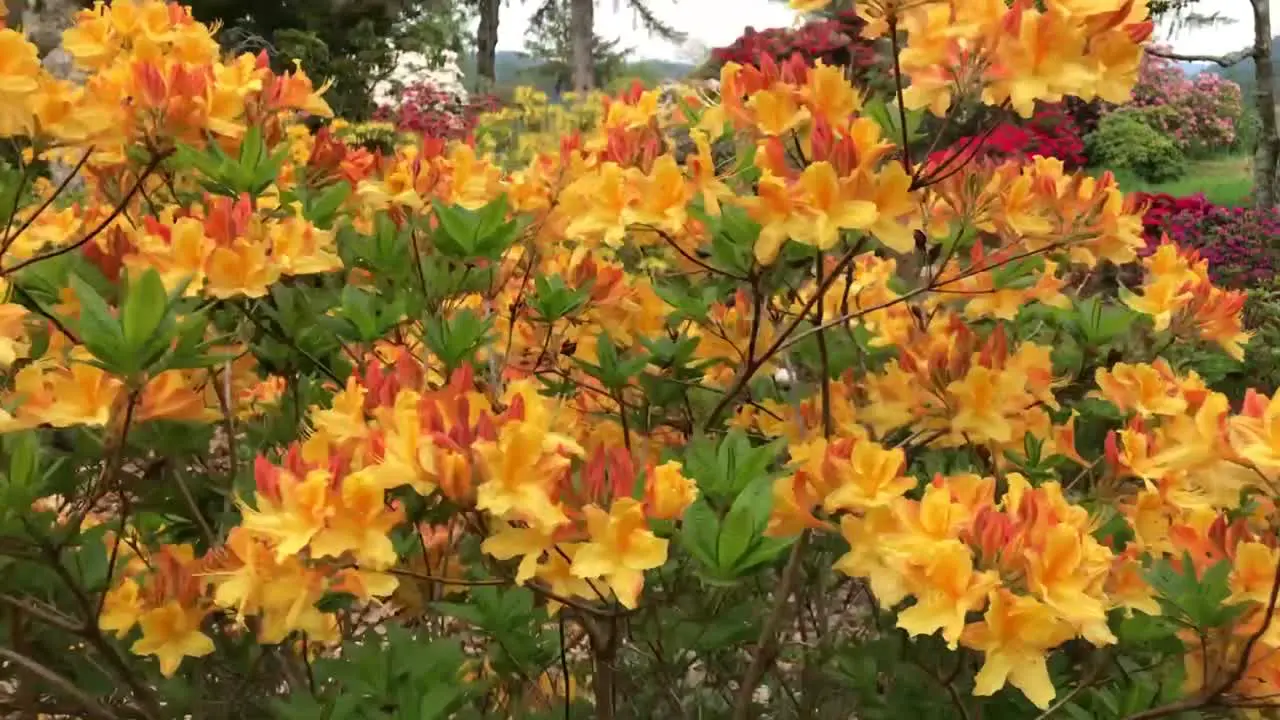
1267, 156
487, 42
582, 27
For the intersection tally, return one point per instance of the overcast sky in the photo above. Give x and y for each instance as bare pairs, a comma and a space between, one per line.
1223, 38
715, 23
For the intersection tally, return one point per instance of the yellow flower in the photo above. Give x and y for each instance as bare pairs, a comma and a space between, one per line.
294, 516
529, 544
557, 572
829, 204
1015, 635
946, 590
1141, 388
121, 608
669, 493
872, 478
518, 470
621, 548
830, 95
1063, 573
82, 394
771, 208
983, 401
360, 524
868, 537
14, 343
241, 269
777, 111
1253, 573
345, 419
173, 395
20, 71
171, 632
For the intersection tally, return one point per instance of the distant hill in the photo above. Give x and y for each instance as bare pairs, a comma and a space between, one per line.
513, 68
1193, 68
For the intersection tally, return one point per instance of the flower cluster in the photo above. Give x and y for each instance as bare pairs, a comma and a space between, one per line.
1016, 55
1236, 242
1178, 292
434, 112
516, 370
1162, 208
1200, 113
1193, 459
835, 41
1051, 132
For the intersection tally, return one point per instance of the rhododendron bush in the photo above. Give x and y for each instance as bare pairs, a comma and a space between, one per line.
1051, 132
1201, 114
1236, 242
811, 427
835, 40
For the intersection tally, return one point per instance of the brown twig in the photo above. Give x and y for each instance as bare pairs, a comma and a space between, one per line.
64, 686
40, 310
9, 239
1214, 695
97, 230
766, 652
753, 365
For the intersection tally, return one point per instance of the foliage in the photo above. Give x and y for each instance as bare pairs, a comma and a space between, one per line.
1226, 180
796, 425
1124, 140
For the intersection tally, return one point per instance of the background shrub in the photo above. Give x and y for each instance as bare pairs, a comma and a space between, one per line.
1199, 114
1051, 132
1238, 242
1123, 140
836, 40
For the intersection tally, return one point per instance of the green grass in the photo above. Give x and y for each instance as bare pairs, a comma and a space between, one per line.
1223, 180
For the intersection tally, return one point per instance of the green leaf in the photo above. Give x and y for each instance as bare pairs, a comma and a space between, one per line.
736, 535
437, 702
699, 532
145, 306
98, 329
742, 545
325, 206
455, 339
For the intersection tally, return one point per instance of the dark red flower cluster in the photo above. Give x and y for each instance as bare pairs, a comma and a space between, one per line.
423, 108
835, 41
1051, 132
1238, 242
1161, 209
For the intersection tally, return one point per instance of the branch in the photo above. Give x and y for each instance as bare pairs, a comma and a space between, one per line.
128, 198
767, 646
1227, 60
1214, 695
65, 686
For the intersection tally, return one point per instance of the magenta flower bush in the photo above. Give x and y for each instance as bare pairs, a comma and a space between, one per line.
1200, 114
1242, 245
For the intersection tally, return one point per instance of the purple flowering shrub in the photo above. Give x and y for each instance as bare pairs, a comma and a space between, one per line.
1242, 245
